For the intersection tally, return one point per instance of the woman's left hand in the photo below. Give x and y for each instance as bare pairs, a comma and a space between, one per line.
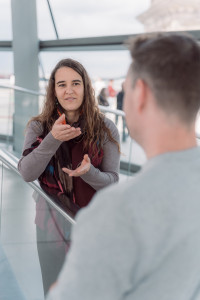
82, 169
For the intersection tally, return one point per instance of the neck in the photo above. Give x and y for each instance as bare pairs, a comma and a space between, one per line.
72, 116
169, 140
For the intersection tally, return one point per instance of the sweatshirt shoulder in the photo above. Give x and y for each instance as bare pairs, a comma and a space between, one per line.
110, 124
35, 126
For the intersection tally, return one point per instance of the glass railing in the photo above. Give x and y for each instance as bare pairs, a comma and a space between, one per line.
6, 112
17, 105
35, 229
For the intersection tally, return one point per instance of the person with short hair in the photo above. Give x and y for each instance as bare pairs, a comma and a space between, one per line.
144, 242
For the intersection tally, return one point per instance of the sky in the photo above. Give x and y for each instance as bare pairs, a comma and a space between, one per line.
77, 18
80, 18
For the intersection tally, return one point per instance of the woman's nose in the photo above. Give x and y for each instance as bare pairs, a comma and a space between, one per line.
69, 90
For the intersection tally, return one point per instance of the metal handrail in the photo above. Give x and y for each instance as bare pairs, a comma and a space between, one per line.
11, 162
23, 90
20, 89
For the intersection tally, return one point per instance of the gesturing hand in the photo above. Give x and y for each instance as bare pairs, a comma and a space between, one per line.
82, 169
64, 132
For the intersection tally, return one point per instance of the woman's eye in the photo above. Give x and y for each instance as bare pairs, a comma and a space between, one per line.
61, 85
76, 83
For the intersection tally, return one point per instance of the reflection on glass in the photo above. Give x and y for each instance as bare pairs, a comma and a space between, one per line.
18, 233
34, 235
53, 234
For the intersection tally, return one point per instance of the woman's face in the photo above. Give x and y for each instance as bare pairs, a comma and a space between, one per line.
69, 89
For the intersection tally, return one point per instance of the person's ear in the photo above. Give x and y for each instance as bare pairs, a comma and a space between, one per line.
140, 94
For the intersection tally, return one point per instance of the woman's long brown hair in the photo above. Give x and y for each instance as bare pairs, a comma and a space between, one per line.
95, 127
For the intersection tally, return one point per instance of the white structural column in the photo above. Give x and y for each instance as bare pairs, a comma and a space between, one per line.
25, 52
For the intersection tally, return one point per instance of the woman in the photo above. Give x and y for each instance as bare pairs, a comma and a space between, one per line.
70, 147
71, 138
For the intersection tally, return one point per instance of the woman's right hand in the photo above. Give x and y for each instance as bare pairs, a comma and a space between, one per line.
64, 132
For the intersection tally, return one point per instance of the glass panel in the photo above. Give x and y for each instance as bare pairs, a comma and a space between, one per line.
16, 108
132, 155
171, 16
5, 20
87, 18
6, 95
6, 67
34, 236
44, 22
18, 234
7, 109
76, 18
99, 64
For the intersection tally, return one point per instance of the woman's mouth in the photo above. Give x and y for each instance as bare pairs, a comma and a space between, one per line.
70, 98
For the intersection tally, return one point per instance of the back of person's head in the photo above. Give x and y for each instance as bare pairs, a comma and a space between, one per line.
170, 65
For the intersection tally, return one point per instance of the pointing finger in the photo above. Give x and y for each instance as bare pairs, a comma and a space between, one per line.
61, 120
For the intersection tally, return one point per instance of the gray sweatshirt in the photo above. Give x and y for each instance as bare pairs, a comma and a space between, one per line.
140, 239
34, 164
